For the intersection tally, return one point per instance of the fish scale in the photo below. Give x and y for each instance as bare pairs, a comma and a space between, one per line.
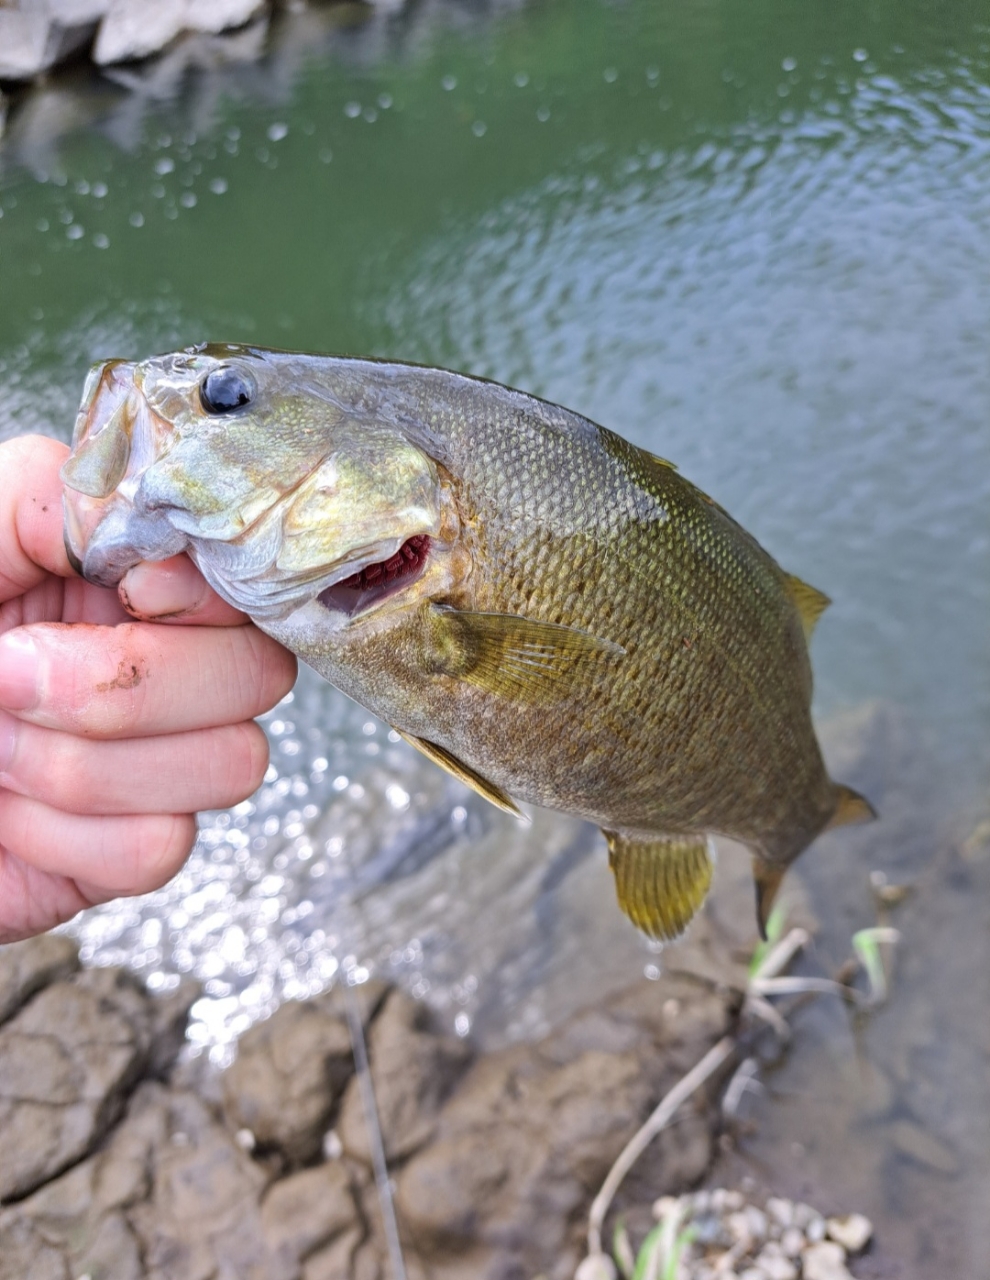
585, 629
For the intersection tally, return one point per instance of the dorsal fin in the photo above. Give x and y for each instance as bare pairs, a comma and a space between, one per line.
464, 773
660, 881
809, 602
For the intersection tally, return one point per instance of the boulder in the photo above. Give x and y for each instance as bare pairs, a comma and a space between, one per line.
68, 1060
413, 1069
26, 967
287, 1080
529, 1134
37, 34
136, 28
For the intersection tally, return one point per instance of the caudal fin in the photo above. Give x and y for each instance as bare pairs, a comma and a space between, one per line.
850, 807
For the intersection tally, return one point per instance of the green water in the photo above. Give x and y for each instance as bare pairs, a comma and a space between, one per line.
753, 238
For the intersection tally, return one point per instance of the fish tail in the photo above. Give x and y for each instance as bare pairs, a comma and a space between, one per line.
850, 807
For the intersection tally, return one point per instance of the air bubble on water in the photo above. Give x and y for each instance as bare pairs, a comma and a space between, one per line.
521, 79
384, 101
218, 186
352, 110
101, 241
75, 231
370, 114
278, 131
479, 128
136, 219
789, 64
42, 224
165, 165
448, 83
610, 75
188, 199
462, 1024
860, 55
100, 190
652, 972
543, 114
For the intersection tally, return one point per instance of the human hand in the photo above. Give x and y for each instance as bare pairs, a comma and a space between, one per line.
113, 732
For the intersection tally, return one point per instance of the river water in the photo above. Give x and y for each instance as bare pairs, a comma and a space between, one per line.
754, 241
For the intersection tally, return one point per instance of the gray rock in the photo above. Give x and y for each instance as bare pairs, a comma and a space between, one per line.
287, 1080
136, 28
26, 967
37, 34
305, 1211
336, 1261
413, 1070
526, 1139
67, 1062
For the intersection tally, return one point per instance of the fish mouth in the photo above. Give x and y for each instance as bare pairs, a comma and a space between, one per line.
375, 583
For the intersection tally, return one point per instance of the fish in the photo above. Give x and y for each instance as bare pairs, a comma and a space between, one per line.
543, 609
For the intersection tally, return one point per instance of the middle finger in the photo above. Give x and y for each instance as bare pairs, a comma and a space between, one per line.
140, 679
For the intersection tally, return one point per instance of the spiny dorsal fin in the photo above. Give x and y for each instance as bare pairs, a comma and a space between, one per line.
513, 656
810, 602
660, 882
463, 773
850, 807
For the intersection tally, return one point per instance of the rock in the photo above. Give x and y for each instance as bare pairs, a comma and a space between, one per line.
306, 1210
26, 967
824, 1261
136, 28
776, 1267
67, 1062
287, 1080
37, 34
413, 1070
525, 1140
336, 1261
852, 1231
596, 1267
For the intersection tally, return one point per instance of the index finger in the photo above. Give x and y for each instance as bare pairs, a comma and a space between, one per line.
31, 543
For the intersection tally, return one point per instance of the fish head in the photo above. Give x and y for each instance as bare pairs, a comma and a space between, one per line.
287, 479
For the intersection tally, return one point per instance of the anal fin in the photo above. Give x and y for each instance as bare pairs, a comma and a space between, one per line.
660, 881
464, 773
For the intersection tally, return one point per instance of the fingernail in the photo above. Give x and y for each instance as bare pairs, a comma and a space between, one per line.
161, 590
8, 730
19, 662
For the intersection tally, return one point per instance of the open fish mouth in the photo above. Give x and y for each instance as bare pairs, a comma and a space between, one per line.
376, 582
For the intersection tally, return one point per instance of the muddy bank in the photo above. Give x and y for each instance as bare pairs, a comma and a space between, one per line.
121, 1164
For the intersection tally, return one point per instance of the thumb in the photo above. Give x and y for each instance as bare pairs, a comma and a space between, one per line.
175, 591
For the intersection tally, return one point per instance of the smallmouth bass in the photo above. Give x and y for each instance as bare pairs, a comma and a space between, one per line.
545, 610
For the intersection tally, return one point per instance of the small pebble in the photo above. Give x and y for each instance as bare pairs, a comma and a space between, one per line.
664, 1207
852, 1231
596, 1267
815, 1230
824, 1261
752, 1273
781, 1211
757, 1220
792, 1242
776, 1267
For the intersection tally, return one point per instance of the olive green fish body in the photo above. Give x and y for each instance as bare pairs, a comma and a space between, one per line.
550, 612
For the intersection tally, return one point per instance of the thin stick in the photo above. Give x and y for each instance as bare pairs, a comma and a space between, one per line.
367, 1090
638, 1143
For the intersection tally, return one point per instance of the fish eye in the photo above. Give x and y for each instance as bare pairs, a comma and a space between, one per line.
225, 389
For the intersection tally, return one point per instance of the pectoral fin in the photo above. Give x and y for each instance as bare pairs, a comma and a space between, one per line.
660, 882
513, 656
463, 773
